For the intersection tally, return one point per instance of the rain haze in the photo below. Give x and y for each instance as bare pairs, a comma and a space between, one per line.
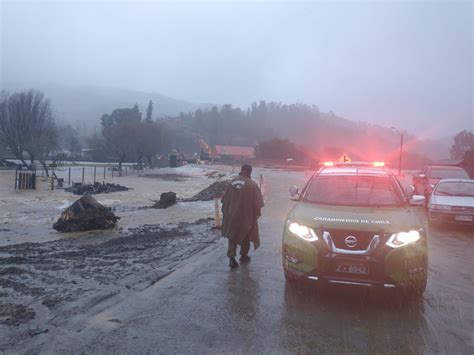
406, 64
252, 177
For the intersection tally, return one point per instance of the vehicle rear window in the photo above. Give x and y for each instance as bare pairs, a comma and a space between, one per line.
448, 173
455, 189
353, 191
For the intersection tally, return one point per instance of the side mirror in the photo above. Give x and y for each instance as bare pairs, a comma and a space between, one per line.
417, 200
294, 192
409, 191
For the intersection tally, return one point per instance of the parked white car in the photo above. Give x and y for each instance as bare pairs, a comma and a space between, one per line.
452, 201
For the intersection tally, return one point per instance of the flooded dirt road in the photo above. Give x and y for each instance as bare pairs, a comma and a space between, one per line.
203, 307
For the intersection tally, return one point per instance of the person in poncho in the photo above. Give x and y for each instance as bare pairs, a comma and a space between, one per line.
241, 206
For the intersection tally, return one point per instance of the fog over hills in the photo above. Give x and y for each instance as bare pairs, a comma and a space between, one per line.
88, 103
83, 106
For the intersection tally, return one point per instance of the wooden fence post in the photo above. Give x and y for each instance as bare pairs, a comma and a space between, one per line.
69, 177
83, 171
95, 170
217, 219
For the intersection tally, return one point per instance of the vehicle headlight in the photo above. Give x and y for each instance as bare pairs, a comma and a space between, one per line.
440, 207
401, 239
301, 231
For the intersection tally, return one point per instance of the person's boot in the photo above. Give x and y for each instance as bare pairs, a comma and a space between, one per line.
244, 259
233, 263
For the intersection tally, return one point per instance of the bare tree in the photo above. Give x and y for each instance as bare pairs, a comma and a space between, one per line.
27, 125
11, 129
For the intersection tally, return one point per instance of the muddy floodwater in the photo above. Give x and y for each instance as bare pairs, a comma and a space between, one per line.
166, 287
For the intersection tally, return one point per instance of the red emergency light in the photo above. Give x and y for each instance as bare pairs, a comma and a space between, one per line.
328, 163
379, 163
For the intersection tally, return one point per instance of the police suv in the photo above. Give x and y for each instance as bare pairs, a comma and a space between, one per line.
355, 224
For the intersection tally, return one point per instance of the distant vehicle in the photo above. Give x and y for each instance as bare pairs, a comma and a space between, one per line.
427, 179
452, 201
355, 225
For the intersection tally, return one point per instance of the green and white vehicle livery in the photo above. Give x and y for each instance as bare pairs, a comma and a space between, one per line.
354, 224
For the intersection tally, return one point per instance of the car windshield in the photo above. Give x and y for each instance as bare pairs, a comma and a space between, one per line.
455, 189
353, 191
448, 173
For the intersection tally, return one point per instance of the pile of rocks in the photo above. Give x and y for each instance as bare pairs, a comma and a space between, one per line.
96, 188
85, 214
215, 190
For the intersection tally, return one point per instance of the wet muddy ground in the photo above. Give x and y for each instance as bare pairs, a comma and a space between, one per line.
54, 280
203, 307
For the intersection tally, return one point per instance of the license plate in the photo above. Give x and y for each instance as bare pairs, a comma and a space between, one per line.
463, 218
352, 269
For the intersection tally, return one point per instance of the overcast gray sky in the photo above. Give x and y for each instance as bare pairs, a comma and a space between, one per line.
403, 63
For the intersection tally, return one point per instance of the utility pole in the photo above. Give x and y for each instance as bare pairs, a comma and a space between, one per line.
401, 149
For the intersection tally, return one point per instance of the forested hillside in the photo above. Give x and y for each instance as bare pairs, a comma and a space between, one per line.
325, 133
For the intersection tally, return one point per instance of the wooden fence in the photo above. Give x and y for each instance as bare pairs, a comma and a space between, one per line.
25, 180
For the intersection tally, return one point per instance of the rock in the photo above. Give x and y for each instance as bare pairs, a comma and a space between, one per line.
167, 199
85, 214
215, 190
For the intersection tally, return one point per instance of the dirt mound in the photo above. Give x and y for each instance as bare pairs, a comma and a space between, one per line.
167, 199
85, 214
215, 190
96, 188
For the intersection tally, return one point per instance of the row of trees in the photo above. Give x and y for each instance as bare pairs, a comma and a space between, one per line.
29, 130
261, 121
463, 142
127, 136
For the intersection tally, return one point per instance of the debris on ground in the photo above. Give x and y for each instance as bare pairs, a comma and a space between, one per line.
96, 188
168, 177
85, 214
214, 174
215, 190
167, 199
